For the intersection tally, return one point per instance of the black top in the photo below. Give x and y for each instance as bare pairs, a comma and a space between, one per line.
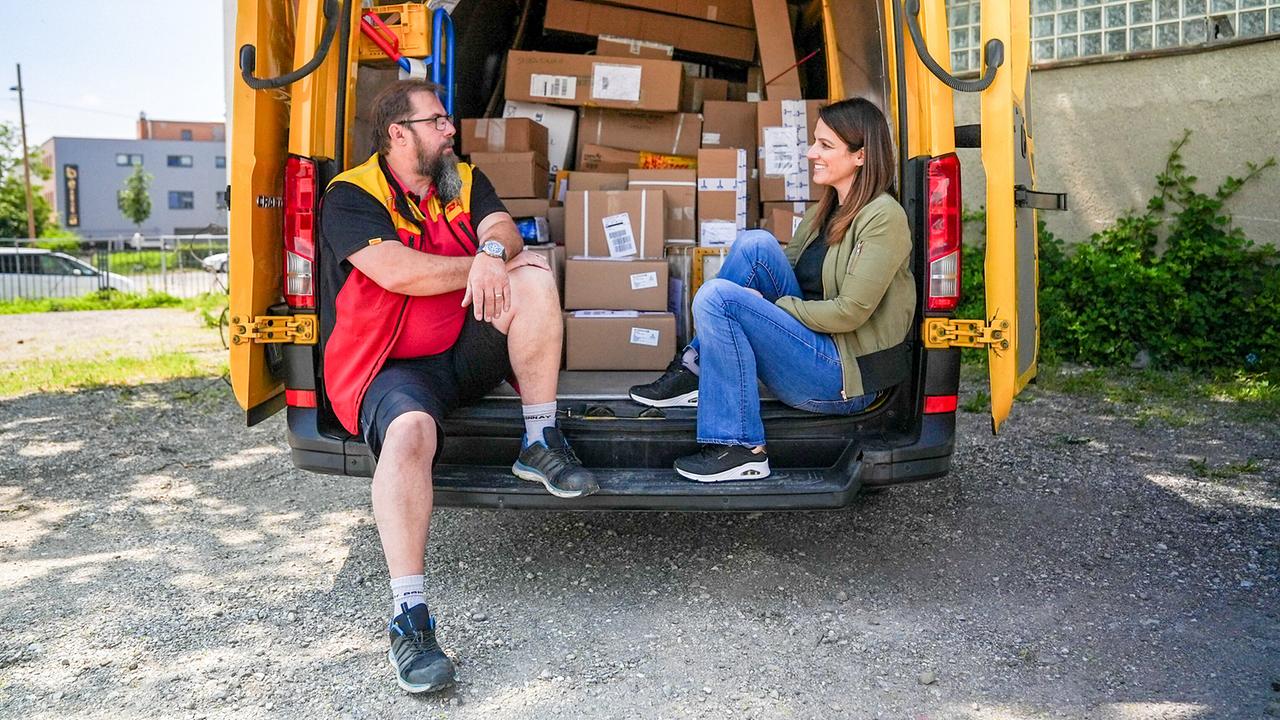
350, 217
809, 266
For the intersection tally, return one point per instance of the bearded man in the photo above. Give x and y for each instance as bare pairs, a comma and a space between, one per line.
429, 301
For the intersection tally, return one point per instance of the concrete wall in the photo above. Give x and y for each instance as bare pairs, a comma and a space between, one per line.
101, 179
1103, 131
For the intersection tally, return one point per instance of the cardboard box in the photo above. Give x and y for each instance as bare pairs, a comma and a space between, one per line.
663, 133
777, 50
560, 124
555, 224
503, 135
612, 160
697, 91
728, 12
514, 175
693, 36
679, 195
555, 258
722, 196
581, 180
563, 79
600, 284
782, 219
619, 340
730, 125
613, 46
614, 223
785, 129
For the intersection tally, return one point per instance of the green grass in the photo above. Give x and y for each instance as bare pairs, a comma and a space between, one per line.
61, 375
1171, 398
134, 261
209, 305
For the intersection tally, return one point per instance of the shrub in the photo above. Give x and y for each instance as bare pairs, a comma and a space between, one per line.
1177, 280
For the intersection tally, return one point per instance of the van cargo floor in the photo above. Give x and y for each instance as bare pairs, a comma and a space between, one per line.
598, 385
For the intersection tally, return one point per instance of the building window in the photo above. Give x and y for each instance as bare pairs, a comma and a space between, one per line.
220, 199
220, 161
186, 134
183, 161
127, 159
1075, 29
182, 200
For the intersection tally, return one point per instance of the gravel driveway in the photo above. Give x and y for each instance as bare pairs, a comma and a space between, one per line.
158, 560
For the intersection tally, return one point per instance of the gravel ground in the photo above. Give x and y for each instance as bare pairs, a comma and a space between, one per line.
159, 560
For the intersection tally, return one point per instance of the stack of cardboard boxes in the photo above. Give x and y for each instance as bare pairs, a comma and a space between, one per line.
641, 158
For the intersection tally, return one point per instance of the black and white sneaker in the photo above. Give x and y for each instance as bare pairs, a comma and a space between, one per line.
678, 387
553, 463
721, 463
420, 665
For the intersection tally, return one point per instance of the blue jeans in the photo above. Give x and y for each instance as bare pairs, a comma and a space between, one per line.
742, 337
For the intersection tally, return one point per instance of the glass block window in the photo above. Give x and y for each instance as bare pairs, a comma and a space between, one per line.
1075, 29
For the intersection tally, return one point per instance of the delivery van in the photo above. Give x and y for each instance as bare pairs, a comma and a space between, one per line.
305, 71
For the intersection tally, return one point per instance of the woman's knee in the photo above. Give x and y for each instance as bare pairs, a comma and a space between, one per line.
756, 239
713, 293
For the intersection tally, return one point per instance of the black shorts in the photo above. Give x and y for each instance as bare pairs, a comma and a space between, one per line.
476, 364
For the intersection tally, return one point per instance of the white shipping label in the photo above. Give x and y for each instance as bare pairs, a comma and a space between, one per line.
717, 233
615, 82
641, 281
619, 235
781, 156
606, 313
559, 87
709, 138
644, 336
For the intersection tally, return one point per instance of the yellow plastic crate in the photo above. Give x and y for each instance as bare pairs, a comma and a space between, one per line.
410, 23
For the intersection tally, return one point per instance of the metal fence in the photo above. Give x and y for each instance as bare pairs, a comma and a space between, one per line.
179, 265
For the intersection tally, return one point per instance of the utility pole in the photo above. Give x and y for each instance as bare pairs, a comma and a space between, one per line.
26, 160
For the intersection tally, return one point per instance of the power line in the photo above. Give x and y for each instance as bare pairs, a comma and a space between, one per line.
81, 109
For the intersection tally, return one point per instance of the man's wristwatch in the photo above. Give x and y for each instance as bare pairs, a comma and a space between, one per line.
493, 248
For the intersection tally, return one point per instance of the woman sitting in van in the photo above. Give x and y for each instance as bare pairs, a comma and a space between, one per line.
823, 325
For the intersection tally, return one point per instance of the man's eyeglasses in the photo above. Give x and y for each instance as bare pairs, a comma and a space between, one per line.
442, 122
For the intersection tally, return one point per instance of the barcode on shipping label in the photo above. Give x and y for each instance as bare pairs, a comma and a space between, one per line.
618, 235
644, 336
558, 87
781, 150
615, 82
641, 281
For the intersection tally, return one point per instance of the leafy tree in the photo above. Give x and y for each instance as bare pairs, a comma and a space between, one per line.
134, 198
13, 191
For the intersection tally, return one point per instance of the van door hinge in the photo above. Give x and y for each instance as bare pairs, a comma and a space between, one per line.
298, 329
949, 332
1024, 198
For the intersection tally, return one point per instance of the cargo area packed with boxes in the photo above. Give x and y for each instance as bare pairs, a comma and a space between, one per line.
634, 144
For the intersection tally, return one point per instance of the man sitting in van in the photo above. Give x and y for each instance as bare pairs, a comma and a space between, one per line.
429, 302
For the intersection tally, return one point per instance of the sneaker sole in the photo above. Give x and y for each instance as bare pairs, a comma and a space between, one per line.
415, 689
746, 471
689, 399
524, 472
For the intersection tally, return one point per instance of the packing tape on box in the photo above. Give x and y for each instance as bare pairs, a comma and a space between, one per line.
795, 114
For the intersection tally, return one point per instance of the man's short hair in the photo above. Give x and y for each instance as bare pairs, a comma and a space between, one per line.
393, 104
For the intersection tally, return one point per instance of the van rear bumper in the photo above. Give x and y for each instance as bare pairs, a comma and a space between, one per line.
493, 486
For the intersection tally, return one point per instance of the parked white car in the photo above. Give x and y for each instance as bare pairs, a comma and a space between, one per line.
36, 273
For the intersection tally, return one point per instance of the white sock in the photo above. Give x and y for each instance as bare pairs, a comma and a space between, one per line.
690, 360
406, 592
537, 418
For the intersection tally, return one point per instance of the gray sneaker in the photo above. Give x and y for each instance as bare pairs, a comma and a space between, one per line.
420, 665
553, 463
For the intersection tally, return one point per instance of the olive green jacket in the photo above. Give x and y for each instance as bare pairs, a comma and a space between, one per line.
869, 294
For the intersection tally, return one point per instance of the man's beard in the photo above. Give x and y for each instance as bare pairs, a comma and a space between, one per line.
442, 169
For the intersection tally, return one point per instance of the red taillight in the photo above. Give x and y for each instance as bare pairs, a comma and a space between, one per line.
299, 232
300, 398
934, 404
944, 229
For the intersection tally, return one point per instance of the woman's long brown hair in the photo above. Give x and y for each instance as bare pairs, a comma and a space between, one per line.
861, 125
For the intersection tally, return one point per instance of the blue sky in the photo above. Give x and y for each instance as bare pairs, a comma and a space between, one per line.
89, 66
